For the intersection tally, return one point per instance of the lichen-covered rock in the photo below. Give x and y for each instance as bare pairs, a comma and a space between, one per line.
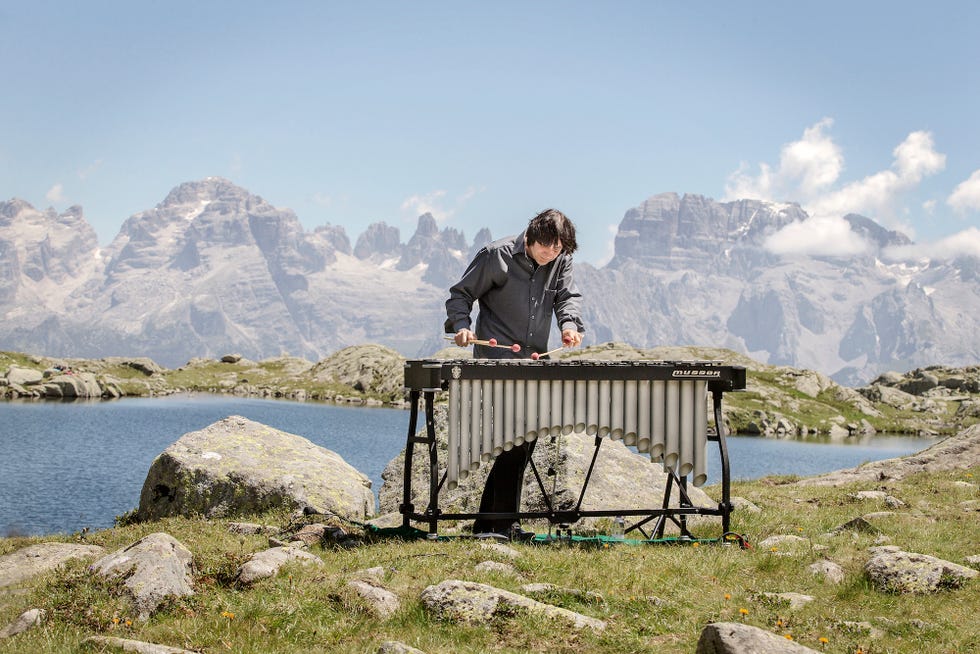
32, 560
24, 621
473, 603
737, 638
380, 601
236, 466
82, 384
909, 572
367, 368
138, 646
266, 563
829, 570
396, 647
155, 568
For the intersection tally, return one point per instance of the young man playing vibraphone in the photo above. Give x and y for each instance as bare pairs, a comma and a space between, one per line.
519, 282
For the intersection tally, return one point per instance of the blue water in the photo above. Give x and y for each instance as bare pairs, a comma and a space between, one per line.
64, 466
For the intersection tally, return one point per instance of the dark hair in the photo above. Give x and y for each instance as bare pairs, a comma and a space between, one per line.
551, 226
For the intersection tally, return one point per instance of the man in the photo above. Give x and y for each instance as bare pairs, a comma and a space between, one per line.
519, 282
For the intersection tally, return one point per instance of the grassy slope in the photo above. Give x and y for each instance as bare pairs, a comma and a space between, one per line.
306, 609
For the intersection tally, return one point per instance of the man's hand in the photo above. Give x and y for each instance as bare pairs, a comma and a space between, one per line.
464, 336
569, 338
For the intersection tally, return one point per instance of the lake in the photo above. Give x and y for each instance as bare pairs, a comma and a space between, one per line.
69, 465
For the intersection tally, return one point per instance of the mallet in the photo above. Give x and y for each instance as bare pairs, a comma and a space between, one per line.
490, 343
535, 356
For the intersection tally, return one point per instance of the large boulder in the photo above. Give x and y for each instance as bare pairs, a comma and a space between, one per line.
366, 368
622, 479
238, 467
83, 384
23, 376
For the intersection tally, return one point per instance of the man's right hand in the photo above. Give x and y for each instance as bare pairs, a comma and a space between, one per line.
463, 337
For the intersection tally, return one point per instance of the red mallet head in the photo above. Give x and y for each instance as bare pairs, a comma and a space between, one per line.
535, 356
515, 347
492, 342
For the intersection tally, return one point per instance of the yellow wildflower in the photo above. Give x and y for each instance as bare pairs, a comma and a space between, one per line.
728, 596
823, 640
228, 614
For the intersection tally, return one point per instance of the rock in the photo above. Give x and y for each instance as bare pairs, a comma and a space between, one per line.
551, 590
231, 358
858, 524
366, 368
742, 504
495, 567
251, 528
32, 560
25, 621
473, 603
82, 384
870, 495
267, 563
829, 570
138, 646
783, 540
974, 561
155, 568
501, 549
237, 466
23, 376
737, 638
957, 452
395, 647
381, 602
794, 600
859, 628
907, 572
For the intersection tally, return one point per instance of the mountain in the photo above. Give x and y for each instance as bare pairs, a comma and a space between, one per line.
214, 269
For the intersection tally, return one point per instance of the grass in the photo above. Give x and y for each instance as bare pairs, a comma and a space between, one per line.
655, 598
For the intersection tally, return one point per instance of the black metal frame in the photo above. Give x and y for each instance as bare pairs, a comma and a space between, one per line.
424, 380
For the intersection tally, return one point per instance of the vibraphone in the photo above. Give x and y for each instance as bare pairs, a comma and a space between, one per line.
658, 407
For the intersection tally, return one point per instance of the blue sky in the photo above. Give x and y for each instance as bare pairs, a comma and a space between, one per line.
485, 113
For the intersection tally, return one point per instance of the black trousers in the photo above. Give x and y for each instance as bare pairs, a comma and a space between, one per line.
502, 494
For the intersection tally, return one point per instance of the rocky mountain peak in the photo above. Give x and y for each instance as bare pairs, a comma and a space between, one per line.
378, 240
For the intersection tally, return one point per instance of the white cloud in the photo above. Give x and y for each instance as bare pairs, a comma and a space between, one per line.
808, 172
427, 203
806, 167
435, 203
817, 236
609, 250
876, 194
966, 242
322, 199
55, 194
84, 173
966, 195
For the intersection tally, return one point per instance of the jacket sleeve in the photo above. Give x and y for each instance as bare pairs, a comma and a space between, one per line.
476, 281
568, 299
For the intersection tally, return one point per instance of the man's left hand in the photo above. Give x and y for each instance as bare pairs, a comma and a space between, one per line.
571, 338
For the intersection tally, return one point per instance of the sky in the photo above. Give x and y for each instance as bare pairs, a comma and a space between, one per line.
486, 113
